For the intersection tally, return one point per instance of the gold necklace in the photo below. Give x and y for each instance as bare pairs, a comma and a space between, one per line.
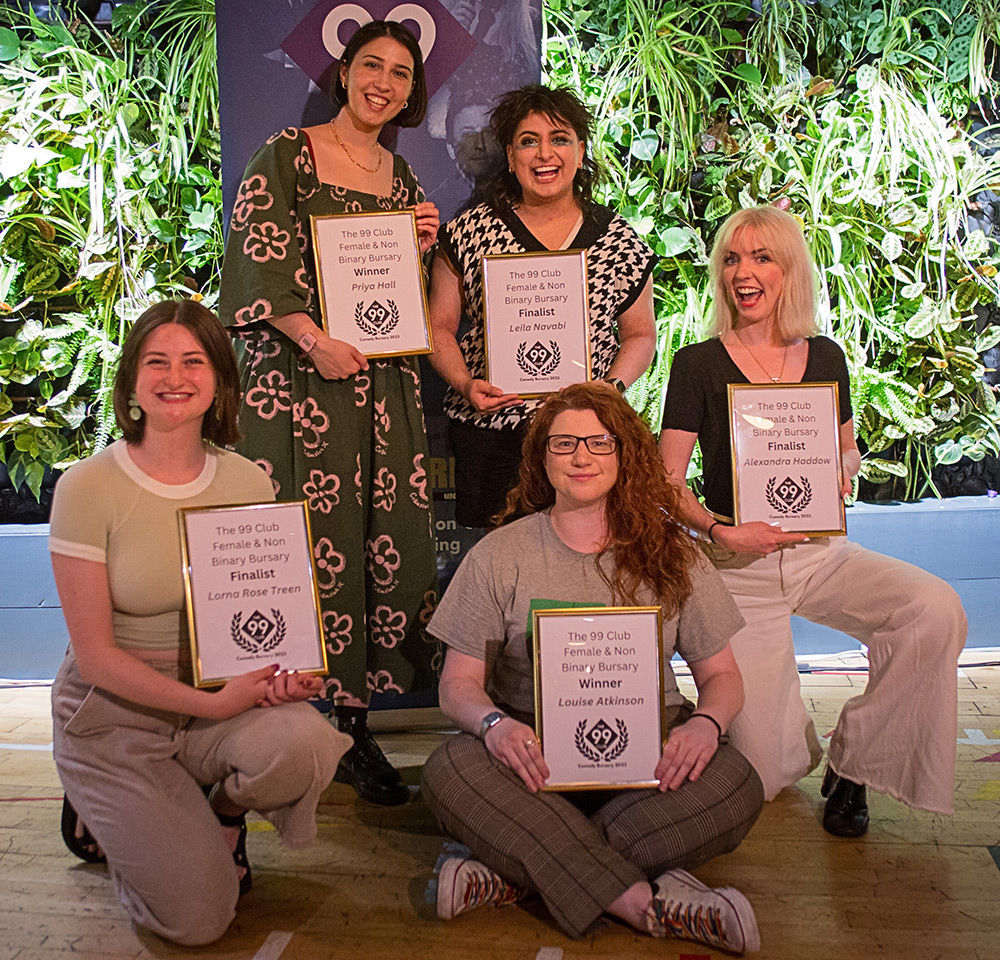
784, 356
375, 169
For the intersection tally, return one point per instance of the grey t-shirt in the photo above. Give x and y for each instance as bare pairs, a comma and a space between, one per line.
485, 611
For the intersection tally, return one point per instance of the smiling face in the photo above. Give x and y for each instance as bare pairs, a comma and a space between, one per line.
580, 478
751, 278
545, 155
378, 81
175, 383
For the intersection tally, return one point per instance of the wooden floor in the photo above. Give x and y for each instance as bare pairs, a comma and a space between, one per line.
917, 887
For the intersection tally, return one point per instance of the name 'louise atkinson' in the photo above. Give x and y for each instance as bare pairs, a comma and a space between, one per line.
601, 702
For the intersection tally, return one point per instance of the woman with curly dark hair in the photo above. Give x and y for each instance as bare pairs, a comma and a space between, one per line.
599, 532
542, 201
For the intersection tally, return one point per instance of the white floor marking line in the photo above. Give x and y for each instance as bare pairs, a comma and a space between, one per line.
274, 945
976, 738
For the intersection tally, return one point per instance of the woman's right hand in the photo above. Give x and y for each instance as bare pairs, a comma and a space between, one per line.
336, 359
242, 693
486, 398
515, 745
291, 687
756, 538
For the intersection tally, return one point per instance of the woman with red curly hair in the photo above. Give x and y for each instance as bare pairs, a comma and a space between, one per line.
599, 531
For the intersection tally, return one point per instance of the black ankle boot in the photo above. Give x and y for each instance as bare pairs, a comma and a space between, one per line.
364, 766
846, 811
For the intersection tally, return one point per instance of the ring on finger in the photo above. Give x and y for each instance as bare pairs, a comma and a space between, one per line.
529, 743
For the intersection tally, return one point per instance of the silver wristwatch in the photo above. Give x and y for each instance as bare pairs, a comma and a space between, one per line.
490, 720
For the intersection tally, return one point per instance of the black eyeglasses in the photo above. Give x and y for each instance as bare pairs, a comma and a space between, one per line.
601, 445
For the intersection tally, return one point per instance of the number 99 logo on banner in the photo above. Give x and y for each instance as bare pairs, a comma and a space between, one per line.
353, 12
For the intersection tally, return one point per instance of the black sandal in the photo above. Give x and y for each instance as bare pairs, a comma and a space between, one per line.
240, 853
85, 847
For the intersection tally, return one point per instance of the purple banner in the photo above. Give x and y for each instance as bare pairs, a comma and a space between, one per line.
317, 42
276, 61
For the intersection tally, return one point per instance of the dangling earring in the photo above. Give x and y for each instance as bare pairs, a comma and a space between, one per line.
406, 103
134, 410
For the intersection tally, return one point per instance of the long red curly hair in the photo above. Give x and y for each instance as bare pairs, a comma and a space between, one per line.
650, 548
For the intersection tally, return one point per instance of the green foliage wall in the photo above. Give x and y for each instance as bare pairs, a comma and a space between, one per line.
855, 115
109, 200
859, 116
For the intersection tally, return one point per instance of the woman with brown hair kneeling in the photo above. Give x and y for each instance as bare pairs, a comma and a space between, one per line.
136, 745
599, 531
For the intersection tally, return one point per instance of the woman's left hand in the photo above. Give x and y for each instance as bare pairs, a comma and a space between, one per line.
291, 687
687, 752
428, 221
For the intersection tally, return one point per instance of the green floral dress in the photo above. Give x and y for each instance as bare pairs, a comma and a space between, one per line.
354, 449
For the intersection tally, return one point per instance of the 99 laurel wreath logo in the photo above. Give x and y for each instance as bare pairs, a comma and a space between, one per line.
538, 360
601, 744
376, 319
788, 497
258, 634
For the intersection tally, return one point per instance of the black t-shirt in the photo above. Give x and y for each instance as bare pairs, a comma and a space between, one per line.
698, 401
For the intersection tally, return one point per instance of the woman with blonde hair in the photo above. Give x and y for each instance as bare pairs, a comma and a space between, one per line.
898, 736
599, 531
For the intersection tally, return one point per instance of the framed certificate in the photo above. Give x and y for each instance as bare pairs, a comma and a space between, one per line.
251, 590
599, 695
537, 323
786, 456
371, 282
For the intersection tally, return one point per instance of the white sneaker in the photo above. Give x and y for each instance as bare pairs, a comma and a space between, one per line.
464, 884
686, 909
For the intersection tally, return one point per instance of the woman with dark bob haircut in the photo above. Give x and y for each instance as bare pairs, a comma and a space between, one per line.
542, 202
327, 426
599, 531
898, 735
415, 107
163, 774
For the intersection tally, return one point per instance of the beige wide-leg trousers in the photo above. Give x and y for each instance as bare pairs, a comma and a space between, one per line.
898, 736
135, 776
